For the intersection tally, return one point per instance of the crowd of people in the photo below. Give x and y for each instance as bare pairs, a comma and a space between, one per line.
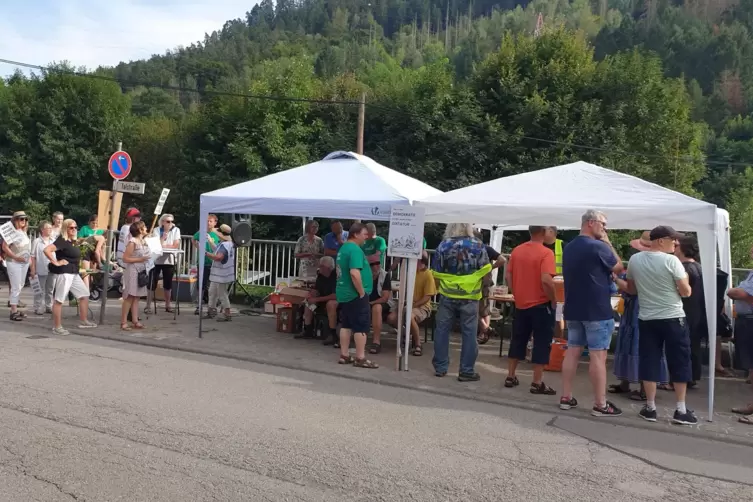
658, 345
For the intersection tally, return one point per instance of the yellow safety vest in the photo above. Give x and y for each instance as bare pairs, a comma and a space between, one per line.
462, 287
558, 256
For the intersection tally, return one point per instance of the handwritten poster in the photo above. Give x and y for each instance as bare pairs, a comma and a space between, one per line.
406, 236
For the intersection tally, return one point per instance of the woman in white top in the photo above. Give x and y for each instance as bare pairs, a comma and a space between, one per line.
39, 268
17, 255
169, 236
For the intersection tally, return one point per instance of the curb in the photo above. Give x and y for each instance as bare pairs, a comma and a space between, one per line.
512, 403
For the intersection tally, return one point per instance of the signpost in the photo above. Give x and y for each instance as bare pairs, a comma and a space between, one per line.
405, 240
119, 166
130, 187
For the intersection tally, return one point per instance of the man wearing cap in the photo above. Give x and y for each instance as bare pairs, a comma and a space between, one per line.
661, 282
124, 237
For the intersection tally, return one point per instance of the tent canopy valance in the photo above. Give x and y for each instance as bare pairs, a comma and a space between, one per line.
342, 185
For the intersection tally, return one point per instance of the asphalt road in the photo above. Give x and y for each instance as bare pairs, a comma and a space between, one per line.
87, 419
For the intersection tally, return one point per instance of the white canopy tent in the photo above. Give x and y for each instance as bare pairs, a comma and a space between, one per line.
560, 195
342, 185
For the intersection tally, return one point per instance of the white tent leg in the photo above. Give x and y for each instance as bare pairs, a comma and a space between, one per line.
410, 281
707, 245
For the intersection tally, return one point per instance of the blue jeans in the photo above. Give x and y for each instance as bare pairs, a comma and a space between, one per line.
467, 311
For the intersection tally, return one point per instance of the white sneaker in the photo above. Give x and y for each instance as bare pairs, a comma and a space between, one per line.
60, 331
86, 324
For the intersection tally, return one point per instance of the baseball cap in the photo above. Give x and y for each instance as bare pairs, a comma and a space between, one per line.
662, 232
133, 212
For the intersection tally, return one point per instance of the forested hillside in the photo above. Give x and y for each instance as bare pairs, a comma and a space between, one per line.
457, 92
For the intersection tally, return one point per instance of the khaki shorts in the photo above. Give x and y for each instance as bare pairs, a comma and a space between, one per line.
421, 313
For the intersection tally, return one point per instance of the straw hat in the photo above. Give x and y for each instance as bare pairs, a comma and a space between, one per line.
19, 214
642, 244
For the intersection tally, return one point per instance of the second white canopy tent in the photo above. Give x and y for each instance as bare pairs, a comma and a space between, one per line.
560, 195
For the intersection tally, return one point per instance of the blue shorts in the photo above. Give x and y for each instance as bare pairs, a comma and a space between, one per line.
596, 335
664, 336
356, 315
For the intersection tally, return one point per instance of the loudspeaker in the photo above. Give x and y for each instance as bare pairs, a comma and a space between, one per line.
241, 234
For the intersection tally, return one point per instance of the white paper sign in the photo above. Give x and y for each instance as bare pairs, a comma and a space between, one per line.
406, 236
9, 233
149, 265
161, 202
36, 288
155, 247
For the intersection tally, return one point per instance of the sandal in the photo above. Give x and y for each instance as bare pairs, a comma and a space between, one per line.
542, 388
169, 310
16, 316
744, 410
511, 382
637, 395
747, 419
417, 351
365, 363
125, 327
483, 337
618, 388
665, 386
138, 325
724, 373
346, 360
375, 348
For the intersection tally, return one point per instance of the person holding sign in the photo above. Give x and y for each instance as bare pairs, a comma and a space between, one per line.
64, 259
169, 236
17, 254
40, 270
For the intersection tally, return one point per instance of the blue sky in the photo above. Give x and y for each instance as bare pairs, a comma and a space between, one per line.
104, 32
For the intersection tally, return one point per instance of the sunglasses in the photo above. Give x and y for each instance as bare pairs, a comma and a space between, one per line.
169, 221
72, 228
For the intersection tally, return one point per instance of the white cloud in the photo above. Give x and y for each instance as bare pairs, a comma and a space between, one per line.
92, 33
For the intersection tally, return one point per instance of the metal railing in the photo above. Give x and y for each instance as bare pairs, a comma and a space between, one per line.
264, 262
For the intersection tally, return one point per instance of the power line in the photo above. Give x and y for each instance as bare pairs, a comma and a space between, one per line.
565, 144
134, 83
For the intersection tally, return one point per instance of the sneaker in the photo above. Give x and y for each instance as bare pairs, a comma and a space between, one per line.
39, 312
646, 414
567, 403
469, 377
609, 410
86, 324
60, 331
48, 310
687, 418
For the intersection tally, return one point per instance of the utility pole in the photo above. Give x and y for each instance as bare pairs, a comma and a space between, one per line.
361, 120
108, 247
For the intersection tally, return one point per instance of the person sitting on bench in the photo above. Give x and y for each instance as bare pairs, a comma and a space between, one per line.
323, 300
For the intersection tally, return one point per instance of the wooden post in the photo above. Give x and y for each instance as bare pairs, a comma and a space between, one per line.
361, 120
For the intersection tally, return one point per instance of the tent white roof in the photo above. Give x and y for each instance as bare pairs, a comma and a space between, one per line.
560, 195
342, 185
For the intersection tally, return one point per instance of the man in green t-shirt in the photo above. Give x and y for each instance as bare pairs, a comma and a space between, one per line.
354, 284
374, 245
213, 239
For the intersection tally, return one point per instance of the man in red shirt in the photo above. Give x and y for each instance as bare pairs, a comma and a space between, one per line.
529, 274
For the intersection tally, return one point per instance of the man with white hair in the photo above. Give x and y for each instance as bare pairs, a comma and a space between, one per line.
460, 264
322, 298
588, 263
